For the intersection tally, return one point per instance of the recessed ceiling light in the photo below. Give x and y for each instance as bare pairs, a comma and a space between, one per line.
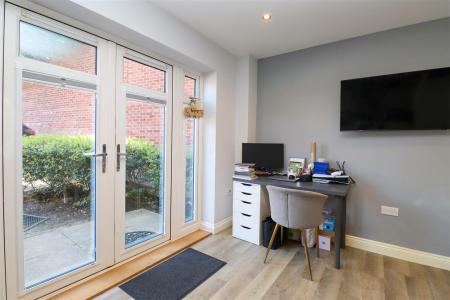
267, 16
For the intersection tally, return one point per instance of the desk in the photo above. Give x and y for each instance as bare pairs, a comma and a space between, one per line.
337, 191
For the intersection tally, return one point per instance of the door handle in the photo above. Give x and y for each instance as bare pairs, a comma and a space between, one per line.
119, 155
103, 155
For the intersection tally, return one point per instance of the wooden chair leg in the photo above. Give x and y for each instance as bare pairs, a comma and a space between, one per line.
317, 242
282, 237
305, 244
271, 241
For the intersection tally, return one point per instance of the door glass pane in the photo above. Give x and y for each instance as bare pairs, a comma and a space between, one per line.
189, 150
54, 48
141, 75
144, 185
58, 130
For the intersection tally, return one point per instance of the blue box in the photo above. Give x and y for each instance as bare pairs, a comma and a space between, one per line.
321, 167
329, 225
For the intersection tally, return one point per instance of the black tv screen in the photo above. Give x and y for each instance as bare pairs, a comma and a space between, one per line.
417, 100
265, 156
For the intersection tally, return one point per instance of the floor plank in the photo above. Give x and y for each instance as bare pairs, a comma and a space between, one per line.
117, 275
364, 275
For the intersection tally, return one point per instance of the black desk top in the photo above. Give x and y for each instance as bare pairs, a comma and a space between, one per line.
340, 190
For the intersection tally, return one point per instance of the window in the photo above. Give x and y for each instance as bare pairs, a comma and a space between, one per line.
54, 48
59, 187
144, 171
146, 141
190, 90
141, 75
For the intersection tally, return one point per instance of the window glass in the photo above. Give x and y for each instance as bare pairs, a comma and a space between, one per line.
144, 186
54, 48
189, 86
58, 183
136, 73
189, 150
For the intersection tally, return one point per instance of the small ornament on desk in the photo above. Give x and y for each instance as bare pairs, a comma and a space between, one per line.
194, 109
313, 155
296, 166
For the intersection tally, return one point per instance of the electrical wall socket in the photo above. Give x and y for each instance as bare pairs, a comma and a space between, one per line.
388, 210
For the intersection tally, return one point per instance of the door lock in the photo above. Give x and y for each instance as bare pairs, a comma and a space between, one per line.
119, 155
103, 155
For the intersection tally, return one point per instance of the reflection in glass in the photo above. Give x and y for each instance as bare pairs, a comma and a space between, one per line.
54, 48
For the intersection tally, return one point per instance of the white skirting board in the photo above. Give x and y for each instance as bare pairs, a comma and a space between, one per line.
219, 226
416, 256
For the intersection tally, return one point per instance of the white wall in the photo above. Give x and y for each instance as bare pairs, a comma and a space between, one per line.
153, 30
246, 99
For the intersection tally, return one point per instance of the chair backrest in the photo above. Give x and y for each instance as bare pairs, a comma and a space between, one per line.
296, 209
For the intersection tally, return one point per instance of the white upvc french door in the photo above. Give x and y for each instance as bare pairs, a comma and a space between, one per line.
58, 154
87, 154
143, 145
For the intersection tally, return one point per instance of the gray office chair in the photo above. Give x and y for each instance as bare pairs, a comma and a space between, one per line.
296, 210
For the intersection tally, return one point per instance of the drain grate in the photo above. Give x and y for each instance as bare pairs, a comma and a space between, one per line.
131, 237
30, 221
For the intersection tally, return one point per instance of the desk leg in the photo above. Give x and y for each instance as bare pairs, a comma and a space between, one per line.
339, 232
344, 220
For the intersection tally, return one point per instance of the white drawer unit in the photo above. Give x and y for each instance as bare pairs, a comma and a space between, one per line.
250, 208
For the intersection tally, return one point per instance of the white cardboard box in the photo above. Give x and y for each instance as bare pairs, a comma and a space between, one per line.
324, 242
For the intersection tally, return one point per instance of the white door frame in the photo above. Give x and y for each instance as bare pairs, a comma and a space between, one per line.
13, 68
2, 236
123, 91
179, 226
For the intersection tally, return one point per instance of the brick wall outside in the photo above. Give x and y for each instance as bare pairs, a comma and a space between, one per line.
143, 76
50, 109
189, 90
145, 121
82, 58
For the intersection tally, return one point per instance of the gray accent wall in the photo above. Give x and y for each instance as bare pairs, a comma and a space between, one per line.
299, 102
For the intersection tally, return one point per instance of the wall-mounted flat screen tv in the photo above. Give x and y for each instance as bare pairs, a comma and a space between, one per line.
417, 100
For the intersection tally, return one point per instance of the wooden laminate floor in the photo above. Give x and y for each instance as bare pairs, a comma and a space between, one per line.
364, 275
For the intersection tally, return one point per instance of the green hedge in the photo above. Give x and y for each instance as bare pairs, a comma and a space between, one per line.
59, 161
143, 175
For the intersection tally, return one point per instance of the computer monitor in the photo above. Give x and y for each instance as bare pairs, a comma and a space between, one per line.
265, 156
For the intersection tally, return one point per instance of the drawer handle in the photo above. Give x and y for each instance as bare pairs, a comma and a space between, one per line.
246, 202
246, 184
246, 215
245, 193
246, 227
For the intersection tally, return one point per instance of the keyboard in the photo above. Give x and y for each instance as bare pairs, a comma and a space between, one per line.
283, 178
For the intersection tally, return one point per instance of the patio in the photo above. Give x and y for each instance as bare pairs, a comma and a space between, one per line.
49, 253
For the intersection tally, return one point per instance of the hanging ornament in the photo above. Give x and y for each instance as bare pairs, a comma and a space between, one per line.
194, 109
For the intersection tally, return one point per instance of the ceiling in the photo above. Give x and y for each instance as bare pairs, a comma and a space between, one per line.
236, 25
